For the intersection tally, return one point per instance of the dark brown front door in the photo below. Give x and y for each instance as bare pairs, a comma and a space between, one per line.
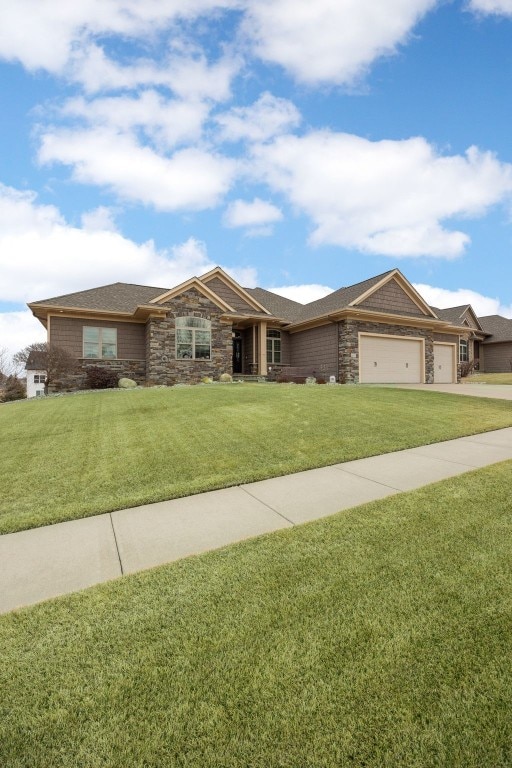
237, 354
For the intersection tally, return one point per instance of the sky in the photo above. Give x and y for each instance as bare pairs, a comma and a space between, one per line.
302, 146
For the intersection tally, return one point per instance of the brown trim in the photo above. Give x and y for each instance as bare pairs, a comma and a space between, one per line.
262, 350
82, 315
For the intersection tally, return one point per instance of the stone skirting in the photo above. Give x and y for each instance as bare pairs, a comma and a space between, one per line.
74, 380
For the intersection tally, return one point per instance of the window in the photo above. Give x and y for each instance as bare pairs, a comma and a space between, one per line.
463, 351
100, 342
39, 378
273, 346
193, 338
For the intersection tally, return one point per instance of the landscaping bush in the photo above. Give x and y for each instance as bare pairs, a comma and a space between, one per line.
466, 368
14, 389
100, 378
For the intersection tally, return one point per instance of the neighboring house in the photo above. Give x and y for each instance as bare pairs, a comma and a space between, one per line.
470, 343
36, 374
379, 330
497, 347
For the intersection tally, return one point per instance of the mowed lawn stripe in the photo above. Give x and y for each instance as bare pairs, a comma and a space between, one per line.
379, 637
70, 457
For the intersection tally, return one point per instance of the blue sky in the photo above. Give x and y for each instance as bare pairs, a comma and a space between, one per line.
302, 146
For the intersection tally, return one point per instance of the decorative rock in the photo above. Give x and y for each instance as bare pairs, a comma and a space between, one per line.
125, 383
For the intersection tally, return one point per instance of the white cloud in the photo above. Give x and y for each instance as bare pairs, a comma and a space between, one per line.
443, 298
386, 197
267, 117
189, 76
191, 179
101, 219
42, 256
330, 41
46, 33
257, 213
18, 330
166, 122
498, 7
303, 293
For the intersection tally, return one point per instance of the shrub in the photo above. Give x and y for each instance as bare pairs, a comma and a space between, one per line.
100, 378
466, 368
14, 389
225, 377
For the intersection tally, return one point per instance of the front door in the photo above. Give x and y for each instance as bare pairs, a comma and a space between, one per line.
237, 354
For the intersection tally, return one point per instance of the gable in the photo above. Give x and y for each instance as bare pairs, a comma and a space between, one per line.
469, 319
226, 293
391, 297
244, 301
193, 283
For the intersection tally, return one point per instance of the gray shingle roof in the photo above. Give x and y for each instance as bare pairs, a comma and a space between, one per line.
116, 297
451, 314
500, 328
36, 361
287, 309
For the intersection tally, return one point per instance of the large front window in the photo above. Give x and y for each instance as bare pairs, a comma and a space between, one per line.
273, 346
463, 351
193, 338
100, 342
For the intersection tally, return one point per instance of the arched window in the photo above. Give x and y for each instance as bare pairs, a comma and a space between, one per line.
193, 338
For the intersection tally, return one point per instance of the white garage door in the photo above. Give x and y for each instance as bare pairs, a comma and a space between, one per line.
390, 360
444, 363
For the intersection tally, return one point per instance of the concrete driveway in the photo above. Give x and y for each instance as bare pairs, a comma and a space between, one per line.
498, 391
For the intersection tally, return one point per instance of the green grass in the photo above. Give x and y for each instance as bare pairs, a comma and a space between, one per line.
65, 458
489, 378
379, 637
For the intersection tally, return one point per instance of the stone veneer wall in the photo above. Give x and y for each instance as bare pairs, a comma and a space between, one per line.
162, 365
348, 346
73, 380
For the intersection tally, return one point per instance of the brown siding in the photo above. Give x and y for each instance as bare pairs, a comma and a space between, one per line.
391, 298
447, 337
497, 357
67, 332
225, 292
316, 348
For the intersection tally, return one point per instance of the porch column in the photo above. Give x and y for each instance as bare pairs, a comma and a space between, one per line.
262, 348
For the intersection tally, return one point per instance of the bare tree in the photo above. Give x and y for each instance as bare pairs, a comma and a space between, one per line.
55, 361
8, 367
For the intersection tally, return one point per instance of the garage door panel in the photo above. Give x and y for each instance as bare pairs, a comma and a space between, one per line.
391, 360
444, 364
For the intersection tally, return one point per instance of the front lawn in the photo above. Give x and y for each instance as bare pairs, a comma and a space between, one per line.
70, 457
379, 637
489, 378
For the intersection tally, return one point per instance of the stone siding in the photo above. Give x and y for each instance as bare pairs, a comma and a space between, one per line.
348, 346
74, 380
162, 365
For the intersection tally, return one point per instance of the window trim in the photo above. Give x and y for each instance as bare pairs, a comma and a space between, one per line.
463, 351
99, 343
205, 326
274, 335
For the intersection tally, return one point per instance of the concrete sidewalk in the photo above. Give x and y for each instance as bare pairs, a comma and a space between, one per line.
57, 559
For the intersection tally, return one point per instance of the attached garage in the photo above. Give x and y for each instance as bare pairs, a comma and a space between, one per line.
445, 370
391, 359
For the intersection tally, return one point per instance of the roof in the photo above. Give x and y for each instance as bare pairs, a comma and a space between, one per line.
499, 327
36, 361
452, 314
116, 297
126, 297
